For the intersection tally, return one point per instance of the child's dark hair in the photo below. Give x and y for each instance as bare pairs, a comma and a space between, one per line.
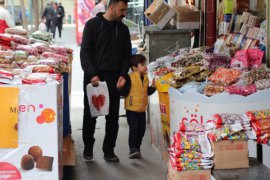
135, 60
111, 2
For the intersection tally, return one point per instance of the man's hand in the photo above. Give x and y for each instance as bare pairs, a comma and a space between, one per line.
121, 82
95, 80
154, 83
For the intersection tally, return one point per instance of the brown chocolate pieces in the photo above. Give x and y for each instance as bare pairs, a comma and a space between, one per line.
35, 151
27, 162
45, 163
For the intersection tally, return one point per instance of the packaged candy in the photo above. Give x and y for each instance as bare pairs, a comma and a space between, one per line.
19, 40
193, 87
240, 60
28, 48
224, 76
20, 55
255, 57
263, 84
212, 89
256, 74
58, 50
242, 90
228, 118
40, 69
44, 36
4, 54
215, 61
161, 71
41, 47
258, 115
187, 72
221, 48
35, 78
16, 31
6, 74
201, 76
49, 62
264, 138
55, 56
260, 133
261, 125
228, 132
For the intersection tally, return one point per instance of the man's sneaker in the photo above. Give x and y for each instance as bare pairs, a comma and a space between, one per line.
134, 155
87, 156
111, 158
139, 154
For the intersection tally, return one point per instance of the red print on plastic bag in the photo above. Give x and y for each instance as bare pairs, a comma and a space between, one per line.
98, 101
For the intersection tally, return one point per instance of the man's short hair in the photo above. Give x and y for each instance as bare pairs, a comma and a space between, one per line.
135, 60
117, 1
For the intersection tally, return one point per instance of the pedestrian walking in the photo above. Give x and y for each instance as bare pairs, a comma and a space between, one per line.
48, 15
136, 92
56, 20
5, 18
100, 7
105, 50
63, 15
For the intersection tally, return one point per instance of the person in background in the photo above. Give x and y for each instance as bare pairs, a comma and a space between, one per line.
5, 18
56, 20
100, 7
105, 50
48, 15
136, 91
42, 26
63, 15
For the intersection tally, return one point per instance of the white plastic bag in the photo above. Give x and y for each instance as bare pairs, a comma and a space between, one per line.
98, 98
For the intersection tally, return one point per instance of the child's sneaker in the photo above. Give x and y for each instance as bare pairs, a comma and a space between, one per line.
134, 155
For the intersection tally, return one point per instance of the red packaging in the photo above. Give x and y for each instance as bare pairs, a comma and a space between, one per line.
264, 138
258, 115
6, 74
224, 76
240, 60
28, 48
261, 125
55, 56
255, 57
242, 90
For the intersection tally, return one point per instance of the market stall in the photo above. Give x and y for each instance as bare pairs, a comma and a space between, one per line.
40, 70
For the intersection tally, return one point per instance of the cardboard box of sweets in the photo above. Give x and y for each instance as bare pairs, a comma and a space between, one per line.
185, 175
230, 154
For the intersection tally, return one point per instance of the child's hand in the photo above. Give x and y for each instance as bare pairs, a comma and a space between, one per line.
154, 83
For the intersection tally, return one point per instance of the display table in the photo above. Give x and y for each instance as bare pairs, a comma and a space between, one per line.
256, 171
163, 42
40, 127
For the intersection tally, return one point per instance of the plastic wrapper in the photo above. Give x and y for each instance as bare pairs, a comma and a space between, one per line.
212, 89
228, 132
240, 60
242, 90
224, 76
55, 56
58, 50
263, 84
6, 60
264, 139
228, 118
215, 61
16, 31
40, 69
221, 48
191, 127
15, 81
261, 125
41, 47
98, 99
32, 58
187, 60
187, 72
256, 74
44, 36
4, 54
33, 40
258, 115
20, 40
193, 87
49, 62
28, 48
8, 67
201, 76
20, 55
35, 78
6, 74
255, 57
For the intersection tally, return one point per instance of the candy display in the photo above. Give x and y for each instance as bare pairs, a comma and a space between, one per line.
215, 61
193, 87
228, 132
258, 115
191, 149
28, 48
262, 84
255, 57
43, 36
55, 56
240, 60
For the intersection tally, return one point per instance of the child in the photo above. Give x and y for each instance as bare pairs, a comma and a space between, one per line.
42, 26
136, 90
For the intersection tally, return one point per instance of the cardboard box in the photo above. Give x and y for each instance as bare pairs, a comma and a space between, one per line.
160, 13
187, 17
230, 154
187, 175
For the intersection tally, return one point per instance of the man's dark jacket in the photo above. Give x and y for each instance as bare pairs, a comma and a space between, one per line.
105, 47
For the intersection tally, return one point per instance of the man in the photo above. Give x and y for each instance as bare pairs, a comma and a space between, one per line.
56, 20
63, 11
5, 18
100, 7
105, 50
48, 15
